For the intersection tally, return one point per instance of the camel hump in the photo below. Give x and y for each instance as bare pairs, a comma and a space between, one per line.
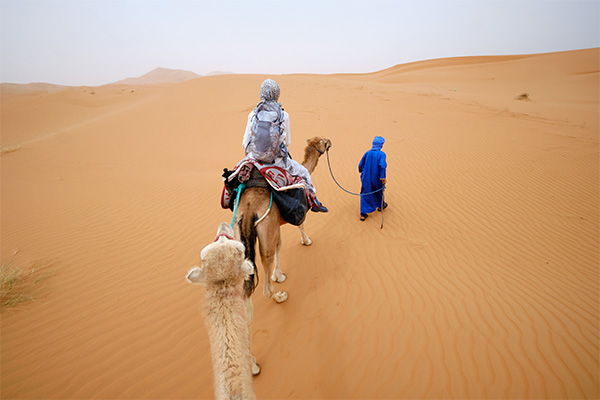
257, 179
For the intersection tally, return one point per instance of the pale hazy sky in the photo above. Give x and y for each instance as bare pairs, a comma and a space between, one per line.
95, 42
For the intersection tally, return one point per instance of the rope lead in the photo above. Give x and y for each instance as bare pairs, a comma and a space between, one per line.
358, 194
239, 191
347, 191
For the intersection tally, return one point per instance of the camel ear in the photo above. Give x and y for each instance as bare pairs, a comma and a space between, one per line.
195, 275
247, 267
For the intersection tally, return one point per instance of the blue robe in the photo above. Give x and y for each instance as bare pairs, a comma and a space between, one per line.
372, 168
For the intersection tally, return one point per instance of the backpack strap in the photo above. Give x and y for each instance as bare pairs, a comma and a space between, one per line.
279, 110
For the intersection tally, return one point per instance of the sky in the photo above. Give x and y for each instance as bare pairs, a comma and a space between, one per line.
96, 42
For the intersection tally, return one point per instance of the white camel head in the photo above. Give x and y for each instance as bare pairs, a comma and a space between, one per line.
222, 261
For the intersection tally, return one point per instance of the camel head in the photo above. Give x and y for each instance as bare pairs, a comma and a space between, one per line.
319, 143
223, 262
315, 148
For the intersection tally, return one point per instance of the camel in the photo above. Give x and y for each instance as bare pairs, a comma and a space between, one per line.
254, 203
223, 272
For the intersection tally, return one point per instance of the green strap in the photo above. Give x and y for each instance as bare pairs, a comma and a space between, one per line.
239, 191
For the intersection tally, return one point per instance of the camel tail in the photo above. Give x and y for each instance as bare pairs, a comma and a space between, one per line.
248, 239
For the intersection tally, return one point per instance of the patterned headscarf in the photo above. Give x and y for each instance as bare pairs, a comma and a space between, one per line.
269, 90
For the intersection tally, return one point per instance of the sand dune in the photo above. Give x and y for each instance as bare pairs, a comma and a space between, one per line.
14, 88
160, 75
483, 282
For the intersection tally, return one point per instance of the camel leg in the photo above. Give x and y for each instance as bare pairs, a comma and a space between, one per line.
304, 237
269, 255
278, 276
249, 314
267, 241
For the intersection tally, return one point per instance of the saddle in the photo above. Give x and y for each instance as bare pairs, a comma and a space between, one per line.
291, 197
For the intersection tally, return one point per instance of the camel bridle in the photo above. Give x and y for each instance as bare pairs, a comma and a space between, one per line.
224, 235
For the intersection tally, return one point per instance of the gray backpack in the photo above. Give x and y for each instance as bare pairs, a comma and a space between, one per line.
267, 142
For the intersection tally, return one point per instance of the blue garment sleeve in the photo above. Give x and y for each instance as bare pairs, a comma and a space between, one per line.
361, 163
382, 166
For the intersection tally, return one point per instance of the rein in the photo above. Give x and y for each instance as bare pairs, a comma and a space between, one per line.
356, 194
223, 234
239, 191
266, 213
347, 191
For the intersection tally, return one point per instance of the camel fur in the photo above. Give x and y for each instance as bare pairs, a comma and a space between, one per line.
254, 203
223, 272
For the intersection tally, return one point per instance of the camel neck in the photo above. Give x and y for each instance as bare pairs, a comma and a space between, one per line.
311, 159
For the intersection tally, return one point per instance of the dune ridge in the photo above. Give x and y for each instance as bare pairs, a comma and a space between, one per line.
159, 76
483, 282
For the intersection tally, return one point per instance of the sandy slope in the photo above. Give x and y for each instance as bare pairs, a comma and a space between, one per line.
482, 284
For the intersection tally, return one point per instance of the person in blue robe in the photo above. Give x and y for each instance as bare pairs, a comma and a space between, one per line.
372, 168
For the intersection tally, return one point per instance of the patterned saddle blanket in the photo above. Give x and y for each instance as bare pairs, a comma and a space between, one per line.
289, 191
277, 177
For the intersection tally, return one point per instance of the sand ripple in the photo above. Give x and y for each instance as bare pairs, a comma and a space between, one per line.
483, 282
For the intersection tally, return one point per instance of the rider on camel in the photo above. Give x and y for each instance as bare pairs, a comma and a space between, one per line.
269, 96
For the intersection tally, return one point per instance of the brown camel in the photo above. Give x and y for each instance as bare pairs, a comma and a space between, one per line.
253, 205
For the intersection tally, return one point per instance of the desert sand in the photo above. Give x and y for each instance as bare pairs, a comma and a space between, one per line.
483, 282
